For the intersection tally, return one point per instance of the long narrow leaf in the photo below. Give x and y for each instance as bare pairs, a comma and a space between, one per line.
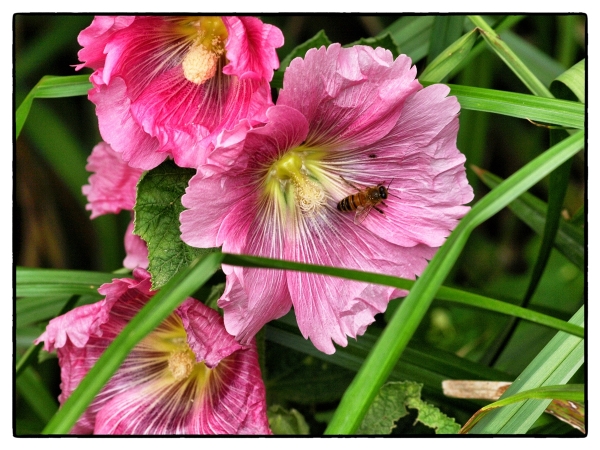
444, 293
574, 80
565, 113
445, 31
51, 87
412, 35
555, 364
35, 393
572, 392
532, 211
448, 59
150, 316
392, 342
520, 69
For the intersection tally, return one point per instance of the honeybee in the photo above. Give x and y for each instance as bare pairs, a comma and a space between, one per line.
364, 200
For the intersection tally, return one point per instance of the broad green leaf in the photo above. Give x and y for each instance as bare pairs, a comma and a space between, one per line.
182, 285
572, 79
390, 405
447, 60
286, 422
532, 211
562, 392
157, 209
317, 41
409, 315
537, 109
51, 87
554, 365
520, 69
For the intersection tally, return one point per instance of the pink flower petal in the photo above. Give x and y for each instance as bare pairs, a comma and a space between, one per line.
147, 107
136, 250
120, 130
112, 184
147, 395
251, 47
329, 308
357, 97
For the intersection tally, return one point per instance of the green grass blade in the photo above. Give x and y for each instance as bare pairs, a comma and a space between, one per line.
412, 35
542, 65
555, 364
565, 113
559, 181
51, 87
398, 332
150, 316
35, 393
573, 392
574, 80
37, 276
427, 364
502, 25
444, 293
449, 58
445, 31
520, 69
532, 211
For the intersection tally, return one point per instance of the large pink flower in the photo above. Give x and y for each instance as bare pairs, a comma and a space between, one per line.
346, 119
166, 86
186, 377
112, 189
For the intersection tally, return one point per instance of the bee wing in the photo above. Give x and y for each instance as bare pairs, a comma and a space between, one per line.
362, 213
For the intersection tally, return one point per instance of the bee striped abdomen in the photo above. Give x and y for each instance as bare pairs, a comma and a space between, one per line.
350, 203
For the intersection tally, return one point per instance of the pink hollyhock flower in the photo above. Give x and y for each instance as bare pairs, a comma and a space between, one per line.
166, 86
186, 377
112, 189
346, 119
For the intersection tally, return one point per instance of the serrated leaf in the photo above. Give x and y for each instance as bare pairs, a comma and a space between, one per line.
286, 422
157, 209
390, 405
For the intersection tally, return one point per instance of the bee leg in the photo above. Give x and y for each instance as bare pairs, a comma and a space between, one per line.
380, 211
350, 184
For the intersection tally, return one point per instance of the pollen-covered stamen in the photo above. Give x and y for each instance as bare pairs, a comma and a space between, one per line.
202, 59
308, 194
181, 364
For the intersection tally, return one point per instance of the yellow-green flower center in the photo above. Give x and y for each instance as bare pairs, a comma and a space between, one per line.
208, 36
293, 176
169, 343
